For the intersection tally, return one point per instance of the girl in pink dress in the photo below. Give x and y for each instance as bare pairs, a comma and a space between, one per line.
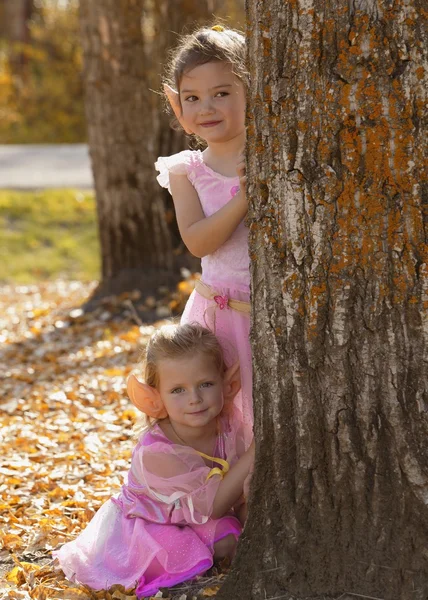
179, 507
206, 91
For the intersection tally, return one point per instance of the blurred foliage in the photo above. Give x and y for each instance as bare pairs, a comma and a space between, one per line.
231, 13
48, 234
41, 86
41, 83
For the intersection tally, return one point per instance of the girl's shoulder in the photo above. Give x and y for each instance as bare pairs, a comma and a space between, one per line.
187, 162
153, 436
155, 454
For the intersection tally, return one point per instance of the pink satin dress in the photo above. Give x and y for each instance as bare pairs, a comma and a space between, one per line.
158, 531
226, 271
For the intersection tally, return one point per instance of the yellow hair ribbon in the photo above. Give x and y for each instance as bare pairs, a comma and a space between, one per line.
216, 470
217, 28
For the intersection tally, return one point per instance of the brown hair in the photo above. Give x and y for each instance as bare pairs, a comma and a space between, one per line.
177, 341
206, 45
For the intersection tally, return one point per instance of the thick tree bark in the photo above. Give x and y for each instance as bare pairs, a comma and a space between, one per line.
338, 232
124, 47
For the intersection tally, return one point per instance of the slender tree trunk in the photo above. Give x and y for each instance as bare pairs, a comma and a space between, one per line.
14, 19
338, 232
124, 47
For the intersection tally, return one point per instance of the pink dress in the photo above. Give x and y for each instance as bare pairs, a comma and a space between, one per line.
158, 531
226, 271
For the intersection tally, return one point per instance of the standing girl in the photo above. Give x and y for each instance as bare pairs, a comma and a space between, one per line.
178, 509
206, 90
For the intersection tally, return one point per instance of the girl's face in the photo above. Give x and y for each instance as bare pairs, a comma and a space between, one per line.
213, 102
191, 388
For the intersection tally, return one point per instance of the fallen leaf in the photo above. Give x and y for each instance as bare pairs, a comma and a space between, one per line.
12, 542
16, 575
210, 591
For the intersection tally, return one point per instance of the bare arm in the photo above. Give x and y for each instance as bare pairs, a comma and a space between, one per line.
230, 489
204, 235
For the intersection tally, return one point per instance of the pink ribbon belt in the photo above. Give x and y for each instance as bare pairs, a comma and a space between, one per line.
223, 302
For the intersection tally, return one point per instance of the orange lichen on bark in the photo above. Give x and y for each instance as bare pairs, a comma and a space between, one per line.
357, 129
350, 142
267, 91
316, 291
292, 285
404, 144
420, 72
376, 143
394, 230
267, 47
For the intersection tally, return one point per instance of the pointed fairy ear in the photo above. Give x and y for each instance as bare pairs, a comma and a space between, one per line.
146, 398
232, 382
174, 100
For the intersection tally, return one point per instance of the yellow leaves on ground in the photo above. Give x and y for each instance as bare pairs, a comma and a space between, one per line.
17, 574
211, 591
66, 430
66, 423
11, 542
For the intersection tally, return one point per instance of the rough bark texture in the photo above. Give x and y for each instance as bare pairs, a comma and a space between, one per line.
338, 232
124, 47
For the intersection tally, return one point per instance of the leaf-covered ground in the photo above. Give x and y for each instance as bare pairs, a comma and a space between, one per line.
66, 429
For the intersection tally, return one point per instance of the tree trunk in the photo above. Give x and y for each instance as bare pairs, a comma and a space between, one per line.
338, 188
14, 19
124, 47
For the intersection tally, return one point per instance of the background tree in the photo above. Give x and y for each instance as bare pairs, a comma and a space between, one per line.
337, 165
124, 46
14, 19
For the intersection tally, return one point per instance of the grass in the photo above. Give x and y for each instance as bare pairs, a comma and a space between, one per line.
48, 234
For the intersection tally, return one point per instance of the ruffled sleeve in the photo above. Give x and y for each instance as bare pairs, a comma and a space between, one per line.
176, 477
180, 163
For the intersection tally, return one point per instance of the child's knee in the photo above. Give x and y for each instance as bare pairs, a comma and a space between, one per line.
225, 547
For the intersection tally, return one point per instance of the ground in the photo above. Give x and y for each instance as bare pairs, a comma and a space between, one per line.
66, 427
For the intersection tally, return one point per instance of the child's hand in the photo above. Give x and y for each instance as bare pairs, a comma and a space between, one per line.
241, 172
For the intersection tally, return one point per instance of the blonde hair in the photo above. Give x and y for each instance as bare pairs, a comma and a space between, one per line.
177, 341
